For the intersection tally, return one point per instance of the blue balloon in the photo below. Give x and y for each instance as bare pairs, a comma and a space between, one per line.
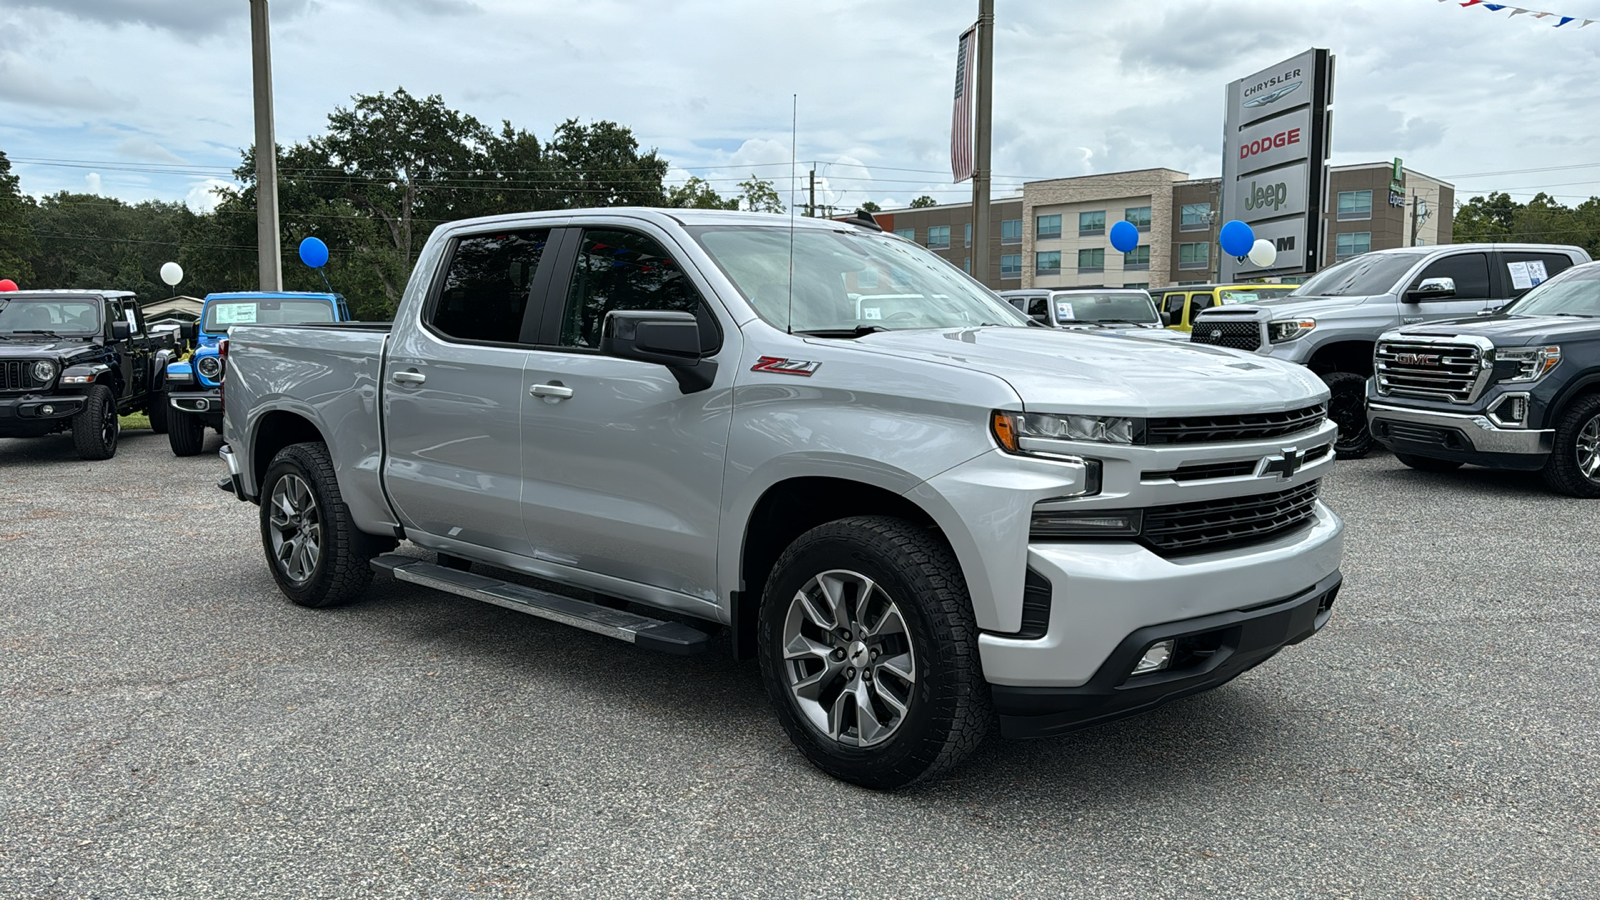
1236, 238
313, 252
1124, 236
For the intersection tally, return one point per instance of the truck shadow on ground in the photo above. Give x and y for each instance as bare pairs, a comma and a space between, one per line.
54, 449
1482, 481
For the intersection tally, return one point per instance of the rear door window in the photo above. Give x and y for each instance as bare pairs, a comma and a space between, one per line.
1534, 268
486, 286
1470, 271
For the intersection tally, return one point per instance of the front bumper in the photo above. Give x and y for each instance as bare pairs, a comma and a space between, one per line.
1463, 437
1209, 652
27, 414
202, 403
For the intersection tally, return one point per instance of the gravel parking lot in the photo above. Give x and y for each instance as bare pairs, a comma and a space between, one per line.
171, 726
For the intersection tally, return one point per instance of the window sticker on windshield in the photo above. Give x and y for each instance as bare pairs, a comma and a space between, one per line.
133, 322
1536, 271
1064, 310
1521, 278
236, 314
871, 312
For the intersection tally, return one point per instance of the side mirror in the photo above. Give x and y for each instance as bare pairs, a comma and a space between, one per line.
121, 330
188, 331
1432, 289
1166, 318
671, 339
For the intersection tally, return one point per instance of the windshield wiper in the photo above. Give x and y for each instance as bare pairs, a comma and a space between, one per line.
858, 331
1574, 315
1117, 322
39, 331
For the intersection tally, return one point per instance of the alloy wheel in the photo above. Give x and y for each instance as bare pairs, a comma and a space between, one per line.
849, 658
108, 423
295, 527
1588, 449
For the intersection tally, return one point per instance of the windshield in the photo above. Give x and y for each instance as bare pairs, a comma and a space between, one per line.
63, 317
1121, 307
848, 281
1364, 276
1228, 296
1575, 292
247, 311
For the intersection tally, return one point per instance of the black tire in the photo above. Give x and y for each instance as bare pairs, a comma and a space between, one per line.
186, 432
341, 569
948, 711
159, 410
95, 430
1428, 463
1563, 471
1348, 409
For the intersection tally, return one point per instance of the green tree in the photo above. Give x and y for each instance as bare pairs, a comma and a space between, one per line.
17, 244
89, 241
759, 195
600, 165
923, 201
870, 207
698, 194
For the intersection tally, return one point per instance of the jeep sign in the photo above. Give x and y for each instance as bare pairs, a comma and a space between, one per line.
1274, 163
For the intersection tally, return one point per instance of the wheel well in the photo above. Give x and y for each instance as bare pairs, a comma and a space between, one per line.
275, 431
1345, 356
789, 509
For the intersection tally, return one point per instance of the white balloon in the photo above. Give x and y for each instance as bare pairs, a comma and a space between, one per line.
171, 273
1263, 253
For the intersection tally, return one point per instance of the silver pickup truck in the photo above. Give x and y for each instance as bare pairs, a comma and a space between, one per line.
920, 518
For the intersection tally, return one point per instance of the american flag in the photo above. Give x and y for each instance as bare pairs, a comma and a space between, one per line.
961, 121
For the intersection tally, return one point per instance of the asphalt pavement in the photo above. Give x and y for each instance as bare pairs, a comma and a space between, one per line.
170, 726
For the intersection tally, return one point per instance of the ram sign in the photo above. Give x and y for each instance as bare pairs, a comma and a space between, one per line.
1274, 164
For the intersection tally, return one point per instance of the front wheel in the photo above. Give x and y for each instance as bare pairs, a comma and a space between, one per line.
869, 651
1574, 464
95, 430
186, 432
1347, 407
159, 410
315, 552
1428, 463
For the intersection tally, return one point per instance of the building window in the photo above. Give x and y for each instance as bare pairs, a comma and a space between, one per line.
1139, 216
1092, 223
938, 237
1092, 260
1011, 264
1194, 256
1141, 285
1047, 263
1011, 233
1194, 217
1137, 259
909, 234
1355, 205
969, 234
1353, 244
1046, 228
966, 265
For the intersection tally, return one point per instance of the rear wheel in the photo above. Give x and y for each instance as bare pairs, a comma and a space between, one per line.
315, 552
1428, 463
1574, 464
186, 432
1347, 407
869, 651
95, 430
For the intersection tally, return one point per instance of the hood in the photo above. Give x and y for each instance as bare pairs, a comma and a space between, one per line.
1290, 307
1111, 374
1512, 331
35, 346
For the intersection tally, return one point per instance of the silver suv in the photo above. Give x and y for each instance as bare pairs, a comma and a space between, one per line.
1333, 321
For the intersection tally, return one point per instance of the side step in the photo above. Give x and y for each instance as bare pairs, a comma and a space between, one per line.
651, 634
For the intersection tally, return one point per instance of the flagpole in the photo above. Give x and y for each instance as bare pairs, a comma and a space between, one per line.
980, 156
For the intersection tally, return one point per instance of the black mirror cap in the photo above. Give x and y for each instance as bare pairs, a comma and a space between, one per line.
121, 330
1166, 317
667, 338
188, 331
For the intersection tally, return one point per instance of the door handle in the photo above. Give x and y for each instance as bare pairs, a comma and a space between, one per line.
1410, 320
408, 377
553, 391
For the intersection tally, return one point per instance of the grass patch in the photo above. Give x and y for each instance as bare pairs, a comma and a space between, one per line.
136, 420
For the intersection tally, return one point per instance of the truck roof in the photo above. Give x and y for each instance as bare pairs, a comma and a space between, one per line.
65, 292
270, 295
662, 216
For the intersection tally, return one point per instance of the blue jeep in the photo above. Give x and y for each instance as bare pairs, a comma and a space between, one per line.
194, 385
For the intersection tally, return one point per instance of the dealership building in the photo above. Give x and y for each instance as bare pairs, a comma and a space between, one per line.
1057, 232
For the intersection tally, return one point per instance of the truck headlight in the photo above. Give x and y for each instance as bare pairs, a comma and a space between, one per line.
1289, 329
44, 372
1015, 430
209, 367
1532, 362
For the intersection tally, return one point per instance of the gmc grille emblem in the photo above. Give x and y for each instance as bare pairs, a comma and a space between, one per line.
1416, 359
1283, 466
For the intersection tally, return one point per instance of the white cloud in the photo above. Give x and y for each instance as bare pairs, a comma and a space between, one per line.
202, 196
91, 182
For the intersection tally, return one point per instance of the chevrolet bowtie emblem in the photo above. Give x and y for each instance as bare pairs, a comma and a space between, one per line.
1284, 466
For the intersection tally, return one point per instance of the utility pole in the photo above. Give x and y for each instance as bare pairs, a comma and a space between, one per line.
811, 205
1415, 199
980, 154
268, 250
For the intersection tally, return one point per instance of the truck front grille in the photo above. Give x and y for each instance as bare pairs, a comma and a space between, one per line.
17, 375
1208, 525
1238, 335
1218, 429
1429, 371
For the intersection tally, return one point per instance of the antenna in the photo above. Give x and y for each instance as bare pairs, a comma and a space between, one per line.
794, 128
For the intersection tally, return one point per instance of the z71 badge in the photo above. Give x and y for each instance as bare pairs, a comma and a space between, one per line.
781, 366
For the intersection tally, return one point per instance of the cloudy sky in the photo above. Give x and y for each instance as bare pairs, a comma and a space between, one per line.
152, 98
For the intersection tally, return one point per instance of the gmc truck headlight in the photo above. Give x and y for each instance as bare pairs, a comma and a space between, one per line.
1014, 429
209, 367
1289, 329
1532, 362
44, 372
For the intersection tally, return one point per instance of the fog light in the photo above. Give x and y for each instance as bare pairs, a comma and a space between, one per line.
202, 405
47, 410
1155, 659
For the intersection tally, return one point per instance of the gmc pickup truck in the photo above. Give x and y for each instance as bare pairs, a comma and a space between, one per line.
920, 518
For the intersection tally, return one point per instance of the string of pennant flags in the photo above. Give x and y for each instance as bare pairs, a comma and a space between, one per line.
1518, 11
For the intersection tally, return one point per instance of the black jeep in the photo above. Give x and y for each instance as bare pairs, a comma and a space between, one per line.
78, 360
